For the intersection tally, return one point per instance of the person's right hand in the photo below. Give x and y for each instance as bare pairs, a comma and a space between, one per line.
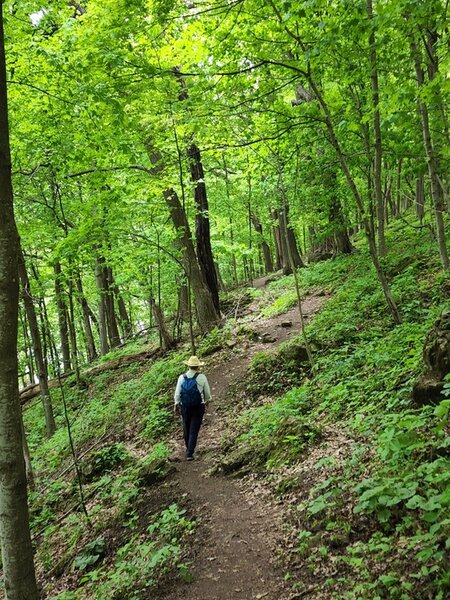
176, 409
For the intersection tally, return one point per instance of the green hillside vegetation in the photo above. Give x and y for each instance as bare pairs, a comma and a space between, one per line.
361, 472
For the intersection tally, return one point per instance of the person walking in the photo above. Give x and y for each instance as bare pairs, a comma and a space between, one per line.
191, 394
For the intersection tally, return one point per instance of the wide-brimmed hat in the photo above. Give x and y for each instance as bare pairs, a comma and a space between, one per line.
194, 362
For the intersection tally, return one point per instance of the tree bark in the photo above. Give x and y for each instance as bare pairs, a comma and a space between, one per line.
288, 242
62, 317
88, 335
41, 367
277, 239
378, 149
113, 329
433, 159
102, 317
265, 248
202, 227
166, 339
207, 313
17, 552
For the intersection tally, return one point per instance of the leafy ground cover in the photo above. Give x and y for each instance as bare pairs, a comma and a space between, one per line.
361, 472
364, 474
131, 536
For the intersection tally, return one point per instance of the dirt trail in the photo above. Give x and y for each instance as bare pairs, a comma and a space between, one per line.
238, 530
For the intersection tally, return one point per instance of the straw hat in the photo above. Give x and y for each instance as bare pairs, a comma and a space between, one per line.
194, 362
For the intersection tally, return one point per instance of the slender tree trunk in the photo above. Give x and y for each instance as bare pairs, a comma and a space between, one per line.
233, 257
420, 198
124, 318
62, 317
182, 310
433, 163
286, 264
202, 227
102, 317
17, 552
359, 203
113, 329
26, 454
41, 367
398, 197
377, 168
265, 248
166, 339
88, 335
277, 239
73, 334
27, 343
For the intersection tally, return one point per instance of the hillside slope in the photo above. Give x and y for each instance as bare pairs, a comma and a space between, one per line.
342, 488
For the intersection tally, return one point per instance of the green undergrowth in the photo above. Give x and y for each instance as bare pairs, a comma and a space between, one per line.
375, 503
120, 422
139, 565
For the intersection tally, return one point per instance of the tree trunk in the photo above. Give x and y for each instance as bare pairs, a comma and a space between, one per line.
359, 203
288, 242
433, 161
102, 317
41, 367
202, 228
166, 339
62, 317
207, 313
26, 454
124, 318
377, 133
342, 241
27, 344
286, 265
17, 552
73, 334
265, 248
182, 310
88, 335
420, 198
113, 329
233, 256
398, 197
277, 239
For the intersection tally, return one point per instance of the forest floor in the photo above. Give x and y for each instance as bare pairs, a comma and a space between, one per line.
236, 551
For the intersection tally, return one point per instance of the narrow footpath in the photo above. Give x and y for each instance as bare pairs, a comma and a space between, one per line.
238, 530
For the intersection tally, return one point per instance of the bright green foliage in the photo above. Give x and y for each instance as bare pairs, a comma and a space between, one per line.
386, 499
139, 564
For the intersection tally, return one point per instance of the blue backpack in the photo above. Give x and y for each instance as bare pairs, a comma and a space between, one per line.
190, 395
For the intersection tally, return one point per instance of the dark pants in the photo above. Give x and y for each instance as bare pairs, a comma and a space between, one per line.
192, 420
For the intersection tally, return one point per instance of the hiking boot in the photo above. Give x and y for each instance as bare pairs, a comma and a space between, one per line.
189, 457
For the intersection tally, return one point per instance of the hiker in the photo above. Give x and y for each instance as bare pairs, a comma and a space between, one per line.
191, 393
